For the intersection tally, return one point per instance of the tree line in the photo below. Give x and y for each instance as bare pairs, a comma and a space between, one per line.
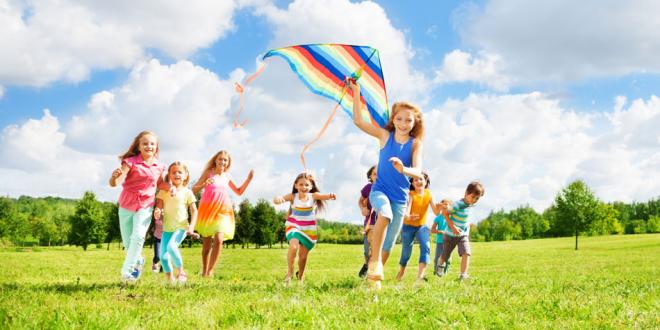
575, 211
58, 221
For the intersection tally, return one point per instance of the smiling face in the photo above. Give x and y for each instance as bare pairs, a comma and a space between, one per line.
404, 121
419, 183
304, 185
471, 199
222, 161
178, 174
148, 146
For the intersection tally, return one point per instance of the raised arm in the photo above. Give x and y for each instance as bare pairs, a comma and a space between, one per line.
377, 132
119, 175
240, 190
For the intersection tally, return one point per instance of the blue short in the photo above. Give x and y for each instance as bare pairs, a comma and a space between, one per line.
393, 212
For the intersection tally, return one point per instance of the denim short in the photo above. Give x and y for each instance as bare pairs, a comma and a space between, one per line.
393, 212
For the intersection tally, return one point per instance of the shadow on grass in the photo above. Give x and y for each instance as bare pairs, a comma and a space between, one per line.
66, 288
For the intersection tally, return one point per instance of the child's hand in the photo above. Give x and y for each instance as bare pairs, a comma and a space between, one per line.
352, 84
333, 196
172, 190
117, 173
278, 200
455, 231
157, 213
413, 217
397, 163
208, 182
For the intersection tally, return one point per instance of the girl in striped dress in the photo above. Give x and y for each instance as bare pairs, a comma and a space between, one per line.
301, 231
215, 218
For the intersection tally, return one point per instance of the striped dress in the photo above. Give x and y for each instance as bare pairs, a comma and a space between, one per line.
301, 224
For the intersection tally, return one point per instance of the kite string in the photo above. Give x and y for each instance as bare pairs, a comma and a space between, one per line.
240, 89
325, 126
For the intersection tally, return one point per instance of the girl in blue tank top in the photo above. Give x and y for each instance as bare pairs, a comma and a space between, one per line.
400, 156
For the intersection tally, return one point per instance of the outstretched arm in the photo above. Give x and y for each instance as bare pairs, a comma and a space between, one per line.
435, 207
324, 197
240, 190
281, 199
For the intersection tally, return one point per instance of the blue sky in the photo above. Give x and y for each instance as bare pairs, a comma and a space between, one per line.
512, 94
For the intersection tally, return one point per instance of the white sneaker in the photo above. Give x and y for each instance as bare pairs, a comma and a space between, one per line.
463, 277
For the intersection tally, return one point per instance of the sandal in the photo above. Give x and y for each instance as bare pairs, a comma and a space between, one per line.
182, 278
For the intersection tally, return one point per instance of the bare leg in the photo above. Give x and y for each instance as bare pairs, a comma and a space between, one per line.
206, 249
376, 262
215, 252
302, 262
402, 271
291, 258
386, 255
465, 263
422, 271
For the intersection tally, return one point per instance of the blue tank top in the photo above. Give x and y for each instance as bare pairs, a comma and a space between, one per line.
388, 181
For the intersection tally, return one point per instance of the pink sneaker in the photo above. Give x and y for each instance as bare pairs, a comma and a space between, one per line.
154, 268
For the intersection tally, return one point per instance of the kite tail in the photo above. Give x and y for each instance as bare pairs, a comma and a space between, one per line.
325, 126
240, 89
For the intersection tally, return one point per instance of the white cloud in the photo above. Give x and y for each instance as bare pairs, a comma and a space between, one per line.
566, 40
484, 69
364, 23
46, 41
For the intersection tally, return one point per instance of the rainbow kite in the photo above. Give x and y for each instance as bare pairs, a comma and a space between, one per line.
325, 68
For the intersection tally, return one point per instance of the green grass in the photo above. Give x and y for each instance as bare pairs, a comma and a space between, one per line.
611, 282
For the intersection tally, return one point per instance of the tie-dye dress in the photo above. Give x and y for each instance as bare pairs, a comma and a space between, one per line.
216, 213
301, 224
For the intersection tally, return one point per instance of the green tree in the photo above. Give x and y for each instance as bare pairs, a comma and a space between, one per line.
245, 225
577, 208
653, 225
265, 219
88, 225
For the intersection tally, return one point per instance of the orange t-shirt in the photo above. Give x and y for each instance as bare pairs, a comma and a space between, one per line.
419, 205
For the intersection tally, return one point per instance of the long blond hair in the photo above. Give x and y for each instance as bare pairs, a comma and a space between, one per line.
211, 163
134, 148
320, 205
418, 129
185, 169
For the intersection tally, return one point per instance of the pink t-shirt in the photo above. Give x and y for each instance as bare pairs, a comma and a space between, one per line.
140, 184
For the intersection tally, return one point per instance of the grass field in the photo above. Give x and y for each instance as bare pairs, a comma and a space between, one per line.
611, 282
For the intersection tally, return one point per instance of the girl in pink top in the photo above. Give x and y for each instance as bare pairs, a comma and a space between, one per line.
140, 173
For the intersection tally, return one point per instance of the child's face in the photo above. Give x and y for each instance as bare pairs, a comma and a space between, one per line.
404, 121
148, 145
471, 198
304, 185
177, 175
419, 183
374, 175
222, 161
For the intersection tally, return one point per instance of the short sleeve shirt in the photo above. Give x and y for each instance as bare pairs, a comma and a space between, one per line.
175, 209
419, 205
371, 217
139, 188
441, 225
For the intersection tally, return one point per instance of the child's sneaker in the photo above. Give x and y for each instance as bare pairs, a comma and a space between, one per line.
182, 278
463, 277
363, 271
154, 268
128, 279
445, 269
375, 272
